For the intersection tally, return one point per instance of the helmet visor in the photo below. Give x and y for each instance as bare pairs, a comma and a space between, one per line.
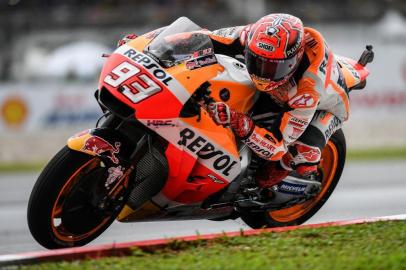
269, 69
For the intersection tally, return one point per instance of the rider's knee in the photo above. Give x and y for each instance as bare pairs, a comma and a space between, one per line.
303, 158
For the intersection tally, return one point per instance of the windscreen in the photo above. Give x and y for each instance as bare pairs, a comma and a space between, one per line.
179, 42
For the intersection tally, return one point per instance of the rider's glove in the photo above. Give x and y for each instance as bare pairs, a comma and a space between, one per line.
220, 112
241, 124
126, 39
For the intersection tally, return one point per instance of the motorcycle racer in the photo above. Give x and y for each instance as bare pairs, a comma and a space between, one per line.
299, 80
297, 71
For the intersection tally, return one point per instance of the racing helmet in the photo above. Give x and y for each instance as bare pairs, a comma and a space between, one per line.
273, 50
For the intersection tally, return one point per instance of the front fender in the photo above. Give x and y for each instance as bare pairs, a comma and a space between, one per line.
103, 142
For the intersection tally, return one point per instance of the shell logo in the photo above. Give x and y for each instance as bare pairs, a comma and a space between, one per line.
14, 111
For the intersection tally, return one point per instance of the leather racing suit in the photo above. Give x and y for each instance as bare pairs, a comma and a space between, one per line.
311, 106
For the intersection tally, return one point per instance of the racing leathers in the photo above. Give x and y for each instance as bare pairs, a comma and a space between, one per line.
310, 107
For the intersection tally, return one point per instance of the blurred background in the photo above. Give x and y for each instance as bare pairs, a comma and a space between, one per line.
50, 58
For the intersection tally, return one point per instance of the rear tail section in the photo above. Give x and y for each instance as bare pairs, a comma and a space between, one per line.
367, 56
355, 73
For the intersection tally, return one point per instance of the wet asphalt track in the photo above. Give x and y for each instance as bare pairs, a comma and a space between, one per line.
367, 189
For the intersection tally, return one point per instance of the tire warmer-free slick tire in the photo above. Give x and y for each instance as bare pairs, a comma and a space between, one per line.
53, 216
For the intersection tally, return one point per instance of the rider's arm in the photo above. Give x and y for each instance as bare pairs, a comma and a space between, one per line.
271, 143
268, 144
229, 41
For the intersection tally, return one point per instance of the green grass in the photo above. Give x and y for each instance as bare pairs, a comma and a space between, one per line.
21, 167
379, 245
377, 154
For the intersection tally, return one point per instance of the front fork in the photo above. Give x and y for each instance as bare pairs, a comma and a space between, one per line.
117, 152
117, 141
110, 145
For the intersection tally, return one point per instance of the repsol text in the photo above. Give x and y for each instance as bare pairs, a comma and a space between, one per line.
149, 64
222, 162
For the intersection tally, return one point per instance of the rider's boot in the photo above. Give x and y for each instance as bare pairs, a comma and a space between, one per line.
273, 172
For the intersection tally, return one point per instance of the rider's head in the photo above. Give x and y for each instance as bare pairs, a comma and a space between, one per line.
274, 49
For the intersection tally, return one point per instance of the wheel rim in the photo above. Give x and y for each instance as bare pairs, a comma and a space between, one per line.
328, 164
58, 228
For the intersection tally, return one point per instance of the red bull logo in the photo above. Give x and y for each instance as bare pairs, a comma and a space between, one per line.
98, 146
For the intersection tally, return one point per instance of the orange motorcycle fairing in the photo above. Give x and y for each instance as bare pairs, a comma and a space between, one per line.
138, 81
353, 72
202, 157
234, 85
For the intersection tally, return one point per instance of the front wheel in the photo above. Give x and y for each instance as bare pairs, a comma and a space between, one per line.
68, 205
331, 165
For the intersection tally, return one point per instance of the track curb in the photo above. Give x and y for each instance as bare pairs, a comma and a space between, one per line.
126, 248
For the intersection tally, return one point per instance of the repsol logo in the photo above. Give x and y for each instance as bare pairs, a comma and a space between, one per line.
222, 162
149, 64
259, 150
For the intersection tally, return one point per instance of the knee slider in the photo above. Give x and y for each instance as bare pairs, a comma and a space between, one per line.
306, 154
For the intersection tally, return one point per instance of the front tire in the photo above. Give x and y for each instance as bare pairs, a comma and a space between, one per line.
332, 165
63, 208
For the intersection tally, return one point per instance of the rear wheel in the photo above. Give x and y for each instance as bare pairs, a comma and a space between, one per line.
331, 167
68, 205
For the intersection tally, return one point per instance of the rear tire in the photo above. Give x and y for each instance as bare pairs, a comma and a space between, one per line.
61, 209
332, 165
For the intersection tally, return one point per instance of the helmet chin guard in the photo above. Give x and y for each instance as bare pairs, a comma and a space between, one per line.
266, 85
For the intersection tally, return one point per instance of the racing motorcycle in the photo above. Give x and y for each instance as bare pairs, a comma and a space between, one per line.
158, 155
